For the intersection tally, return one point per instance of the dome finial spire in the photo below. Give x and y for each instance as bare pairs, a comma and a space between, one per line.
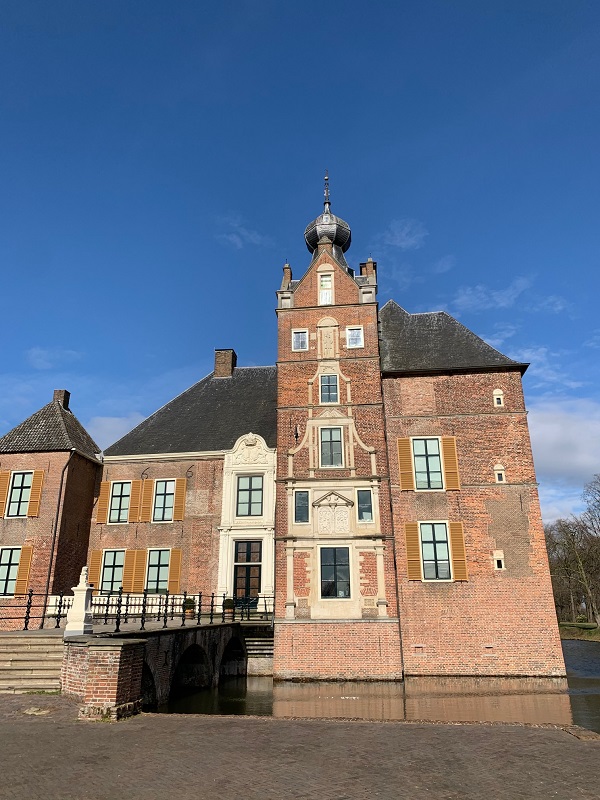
326, 192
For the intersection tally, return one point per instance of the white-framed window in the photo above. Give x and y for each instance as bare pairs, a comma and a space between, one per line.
111, 578
328, 389
325, 290
157, 575
299, 340
331, 447
120, 495
364, 505
249, 502
355, 336
247, 569
498, 398
435, 551
428, 463
164, 499
301, 506
499, 559
19, 493
9, 566
335, 572
499, 473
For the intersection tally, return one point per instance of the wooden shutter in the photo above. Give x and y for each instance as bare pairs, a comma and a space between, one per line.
135, 501
174, 572
103, 499
35, 495
451, 479
94, 567
4, 484
128, 569
179, 502
459, 555
405, 461
21, 584
147, 500
413, 551
139, 570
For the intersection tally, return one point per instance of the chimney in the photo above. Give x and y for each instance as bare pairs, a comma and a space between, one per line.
287, 277
225, 361
62, 396
369, 269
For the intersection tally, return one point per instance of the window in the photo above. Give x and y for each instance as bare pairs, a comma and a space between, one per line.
157, 577
9, 565
498, 397
300, 340
301, 506
435, 551
119, 501
335, 572
112, 571
499, 473
499, 559
325, 290
249, 496
18, 497
331, 447
247, 569
164, 497
355, 337
365, 505
329, 388
428, 464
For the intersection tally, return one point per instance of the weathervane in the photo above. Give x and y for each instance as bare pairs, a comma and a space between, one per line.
326, 192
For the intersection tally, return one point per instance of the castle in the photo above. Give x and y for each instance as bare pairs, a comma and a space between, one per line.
377, 482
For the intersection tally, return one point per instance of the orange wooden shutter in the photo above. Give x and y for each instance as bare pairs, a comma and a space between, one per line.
139, 571
103, 498
459, 555
128, 569
35, 495
413, 551
4, 483
451, 479
405, 461
174, 572
94, 567
179, 502
21, 586
134, 501
147, 500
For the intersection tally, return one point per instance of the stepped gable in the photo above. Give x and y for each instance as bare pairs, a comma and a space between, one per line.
211, 415
54, 428
434, 342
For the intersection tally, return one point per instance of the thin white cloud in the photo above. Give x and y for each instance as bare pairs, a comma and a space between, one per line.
238, 235
552, 304
502, 332
107, 430
405, 234
444, 264
594, 340
404, 276
483, 298
545, 367
51, 357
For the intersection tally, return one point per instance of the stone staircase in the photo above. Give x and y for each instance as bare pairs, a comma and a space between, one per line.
30, 662
259, 644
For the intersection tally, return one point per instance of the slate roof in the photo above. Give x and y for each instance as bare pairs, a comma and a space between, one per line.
51, 429
433, 342
211, 415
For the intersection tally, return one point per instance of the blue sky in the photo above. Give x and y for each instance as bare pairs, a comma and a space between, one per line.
160, 161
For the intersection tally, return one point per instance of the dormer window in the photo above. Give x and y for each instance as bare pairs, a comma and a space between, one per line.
325, 290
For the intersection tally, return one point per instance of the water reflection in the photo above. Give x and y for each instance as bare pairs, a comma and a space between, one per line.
532, 700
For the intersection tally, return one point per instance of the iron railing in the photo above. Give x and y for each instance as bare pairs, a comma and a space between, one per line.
122, 609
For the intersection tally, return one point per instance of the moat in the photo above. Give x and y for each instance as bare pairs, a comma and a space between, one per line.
528, 700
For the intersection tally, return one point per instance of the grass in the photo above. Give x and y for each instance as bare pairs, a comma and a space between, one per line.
579, 630
43, 691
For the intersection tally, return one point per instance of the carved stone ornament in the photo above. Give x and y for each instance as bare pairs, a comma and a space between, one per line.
250, 451
333, 513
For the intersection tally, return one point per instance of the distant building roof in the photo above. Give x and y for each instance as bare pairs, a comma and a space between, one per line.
433, 342
211, 415
51, 429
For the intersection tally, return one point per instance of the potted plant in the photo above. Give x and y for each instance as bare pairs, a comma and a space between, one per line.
228, 607
189, 608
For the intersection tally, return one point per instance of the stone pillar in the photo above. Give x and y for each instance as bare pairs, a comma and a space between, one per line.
106, 674
79, 617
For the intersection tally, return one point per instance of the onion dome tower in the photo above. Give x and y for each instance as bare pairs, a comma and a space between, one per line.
330, 227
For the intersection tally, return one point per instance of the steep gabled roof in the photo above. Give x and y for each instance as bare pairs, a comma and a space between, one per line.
51, 429
433, 342
211, 415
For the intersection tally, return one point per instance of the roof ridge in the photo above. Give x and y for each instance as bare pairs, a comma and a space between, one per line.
63, 424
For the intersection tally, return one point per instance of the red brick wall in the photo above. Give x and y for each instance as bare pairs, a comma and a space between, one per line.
197, 535
499, 622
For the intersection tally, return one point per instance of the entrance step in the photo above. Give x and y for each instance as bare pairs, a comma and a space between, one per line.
259, 647
30, 662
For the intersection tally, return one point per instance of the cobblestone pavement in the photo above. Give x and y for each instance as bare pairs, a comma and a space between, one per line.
50, 755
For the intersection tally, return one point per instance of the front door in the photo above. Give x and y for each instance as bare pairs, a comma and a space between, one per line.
247, 568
